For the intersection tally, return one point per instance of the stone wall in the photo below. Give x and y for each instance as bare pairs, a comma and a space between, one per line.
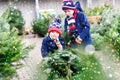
28, 6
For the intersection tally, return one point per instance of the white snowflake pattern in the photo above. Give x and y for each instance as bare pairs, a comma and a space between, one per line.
68, 3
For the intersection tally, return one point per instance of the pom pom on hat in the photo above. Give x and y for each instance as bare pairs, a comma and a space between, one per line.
68, 4
55, 26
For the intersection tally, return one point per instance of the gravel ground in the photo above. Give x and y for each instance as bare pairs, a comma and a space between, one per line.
110, 64
28, 70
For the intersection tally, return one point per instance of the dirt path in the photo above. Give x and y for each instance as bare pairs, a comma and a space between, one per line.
110, 64
28, 71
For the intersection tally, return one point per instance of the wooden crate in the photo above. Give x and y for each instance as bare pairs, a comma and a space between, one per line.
94, 18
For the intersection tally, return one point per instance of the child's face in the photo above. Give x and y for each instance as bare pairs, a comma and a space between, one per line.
54, 35
69, 12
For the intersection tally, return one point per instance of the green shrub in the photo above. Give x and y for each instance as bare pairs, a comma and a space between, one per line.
98, 41
14, 17
11, 49
97, 10
108, 28
70, 65
40, 26
112, 38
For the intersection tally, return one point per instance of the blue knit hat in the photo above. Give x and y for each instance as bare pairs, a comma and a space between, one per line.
68, 4
55, 26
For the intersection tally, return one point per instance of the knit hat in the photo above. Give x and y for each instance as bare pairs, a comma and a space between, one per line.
55, 26
68, 4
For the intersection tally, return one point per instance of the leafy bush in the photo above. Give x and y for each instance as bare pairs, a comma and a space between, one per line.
40, 26
108, 21
97, 10
11, 49
14, 17
112, 37
98, 41
108, 28
70, 65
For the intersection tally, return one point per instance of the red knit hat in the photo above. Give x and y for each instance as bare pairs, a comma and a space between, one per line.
55, 26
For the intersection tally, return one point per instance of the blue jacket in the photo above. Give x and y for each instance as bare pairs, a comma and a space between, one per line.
82, 27
48, 45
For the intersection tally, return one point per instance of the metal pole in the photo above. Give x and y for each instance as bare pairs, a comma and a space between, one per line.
37, 8
113, 3
10, 2
89, 2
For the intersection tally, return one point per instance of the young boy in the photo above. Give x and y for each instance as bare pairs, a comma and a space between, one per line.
76, 24
53, 41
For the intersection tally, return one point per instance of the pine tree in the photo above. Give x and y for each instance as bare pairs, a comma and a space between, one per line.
14, 17
71, 64
11, 49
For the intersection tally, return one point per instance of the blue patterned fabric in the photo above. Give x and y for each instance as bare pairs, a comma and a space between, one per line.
68, 4
82, 27
49, 46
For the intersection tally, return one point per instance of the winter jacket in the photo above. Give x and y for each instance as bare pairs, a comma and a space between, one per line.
82, 27
48, 45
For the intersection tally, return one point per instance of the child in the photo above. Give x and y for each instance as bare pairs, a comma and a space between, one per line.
76, 24
53, 41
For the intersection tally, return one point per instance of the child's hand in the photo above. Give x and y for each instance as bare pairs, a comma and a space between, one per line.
78, 40
58, 44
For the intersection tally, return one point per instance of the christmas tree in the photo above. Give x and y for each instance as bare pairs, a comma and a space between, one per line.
71, 64
14, 17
